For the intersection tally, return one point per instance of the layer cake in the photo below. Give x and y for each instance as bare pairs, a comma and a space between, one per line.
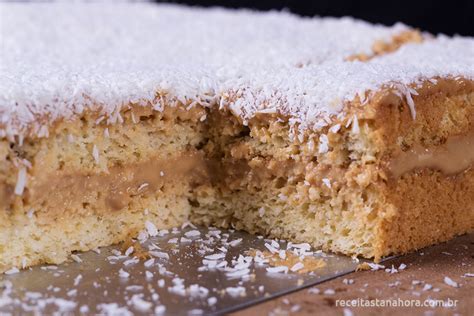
353, 137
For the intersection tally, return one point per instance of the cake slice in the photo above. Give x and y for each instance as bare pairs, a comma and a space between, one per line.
116, 119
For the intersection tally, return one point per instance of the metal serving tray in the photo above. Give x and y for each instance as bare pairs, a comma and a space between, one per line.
96, 284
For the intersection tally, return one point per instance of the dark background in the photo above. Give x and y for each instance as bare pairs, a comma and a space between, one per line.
448, 17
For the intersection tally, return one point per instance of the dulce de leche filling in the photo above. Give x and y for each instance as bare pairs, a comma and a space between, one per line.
116, 188
452, 157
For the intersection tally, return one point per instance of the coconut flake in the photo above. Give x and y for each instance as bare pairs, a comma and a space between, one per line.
21, 181
123, 274
297, 266
13, 270
327, 182
355, 125
238, 291
450, 282
76, 258
95, 154
323, 144
151, 229
278, 269
192, 233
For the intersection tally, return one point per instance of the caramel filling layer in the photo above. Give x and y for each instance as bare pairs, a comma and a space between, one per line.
452, 157
117, 187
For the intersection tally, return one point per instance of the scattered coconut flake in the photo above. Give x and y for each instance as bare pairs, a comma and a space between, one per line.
235, 242
160, 309
215, 256
95, 154
427, 287
77, 279
295, 308
375, 266
327, 182
113, 309
140, 304
282, 254
323, 144
142, 236
151, 229
84, 309
129, 251
64, 305
271, 248
149, 262
391, 270
123, 274
72, 293
236, 291
197, 291
31, 213
238, 273
96, 250
329, 292
173, 241
211, 301
160, 254
297, 266
277, 269
335, 128
348, 281
347, 312
450, 282
76, 258
355, 125
13, 270
131, 261
275, 244
148, 274
192, 233
411, 105
21, 181
314, 290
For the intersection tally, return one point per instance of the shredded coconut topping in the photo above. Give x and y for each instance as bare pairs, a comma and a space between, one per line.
58, 61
